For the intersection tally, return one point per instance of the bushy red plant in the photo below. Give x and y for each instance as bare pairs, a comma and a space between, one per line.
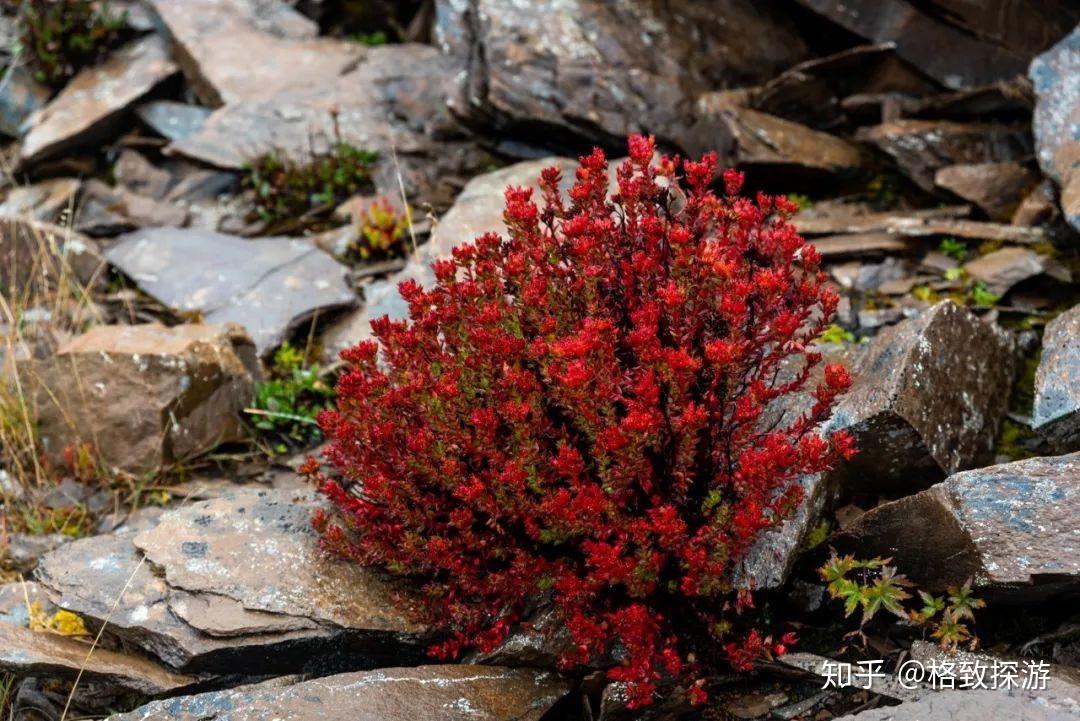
575, 411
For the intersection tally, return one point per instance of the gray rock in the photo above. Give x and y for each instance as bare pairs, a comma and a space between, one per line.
1056, 76
215, 42
138, 175
88, 108
922, 147
1012, 528
927, 398
972, 705
143, 396
269, 285
997, 188
1002, 269
602, 70
1056, 414
17, 597
477, 210
447, 693
22, 550
108, 211
20, 97
260, 550
27, 653
992, 41
394, 100
173, 120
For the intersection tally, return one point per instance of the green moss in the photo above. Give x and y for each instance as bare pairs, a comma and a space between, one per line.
836, 334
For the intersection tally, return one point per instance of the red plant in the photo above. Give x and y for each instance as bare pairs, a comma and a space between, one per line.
576, 411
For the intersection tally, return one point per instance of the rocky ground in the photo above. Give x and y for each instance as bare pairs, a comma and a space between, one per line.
166, 342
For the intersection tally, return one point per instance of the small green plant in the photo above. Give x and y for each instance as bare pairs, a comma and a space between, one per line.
287, 403
63, 36
803, 201
873, 585
837, 334
981, 296
374, 39
303, 193
953, 274
956, 249
382, 232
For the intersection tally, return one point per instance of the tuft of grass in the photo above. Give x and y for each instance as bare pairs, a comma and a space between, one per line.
302, 194
287, 403
61, 37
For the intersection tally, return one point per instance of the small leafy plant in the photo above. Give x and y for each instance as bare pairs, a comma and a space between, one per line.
578, 412
287, 403
64, 36
953, 248
382, 232
873, 585
981, 296
301, 193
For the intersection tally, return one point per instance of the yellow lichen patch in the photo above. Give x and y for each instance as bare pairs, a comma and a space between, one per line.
63, 623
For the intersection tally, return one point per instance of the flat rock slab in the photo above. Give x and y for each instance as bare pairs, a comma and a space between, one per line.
1002, 269
927, 399
27, 653
1011, 527
1056, 77
144, 396
215, 42
997, 188
446, 693
749, 137
601, 70
96, 98
1056, 414
971, 705
260, 550
269, 285
394, 100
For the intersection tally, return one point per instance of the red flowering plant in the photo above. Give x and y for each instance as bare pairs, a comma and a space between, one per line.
575, 412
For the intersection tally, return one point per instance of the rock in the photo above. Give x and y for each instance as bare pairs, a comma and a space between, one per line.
1039, 207
233, 546
393, 100
926, 400
1002, 269
144, 396
952, 55
997, 188
615, 68
972, 705
36, 255
17, 597
93, 101
1012, 528
1056, 76
20, 97
1056, 414
538, 643
477, 210
214, 42
914, 224
22, 550
922, 147
447, 693
751, 138
27, 653
1062, 681
108, 211
48, 200
269, 285
889, 687
138, 175
858, 244
173, 120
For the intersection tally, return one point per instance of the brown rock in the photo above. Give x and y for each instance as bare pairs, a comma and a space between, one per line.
1056, 414
1039, 207
927, 398
446, 693
144, 396
915, 224
602, 70
107, 211
997, 188
232, 546
36, 256
49, 201
922, 147
1002, 269
1010, 527
94, 101
751, 138
27, 653
945, 52
215, 42
137, 174
860, 244
393, 101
